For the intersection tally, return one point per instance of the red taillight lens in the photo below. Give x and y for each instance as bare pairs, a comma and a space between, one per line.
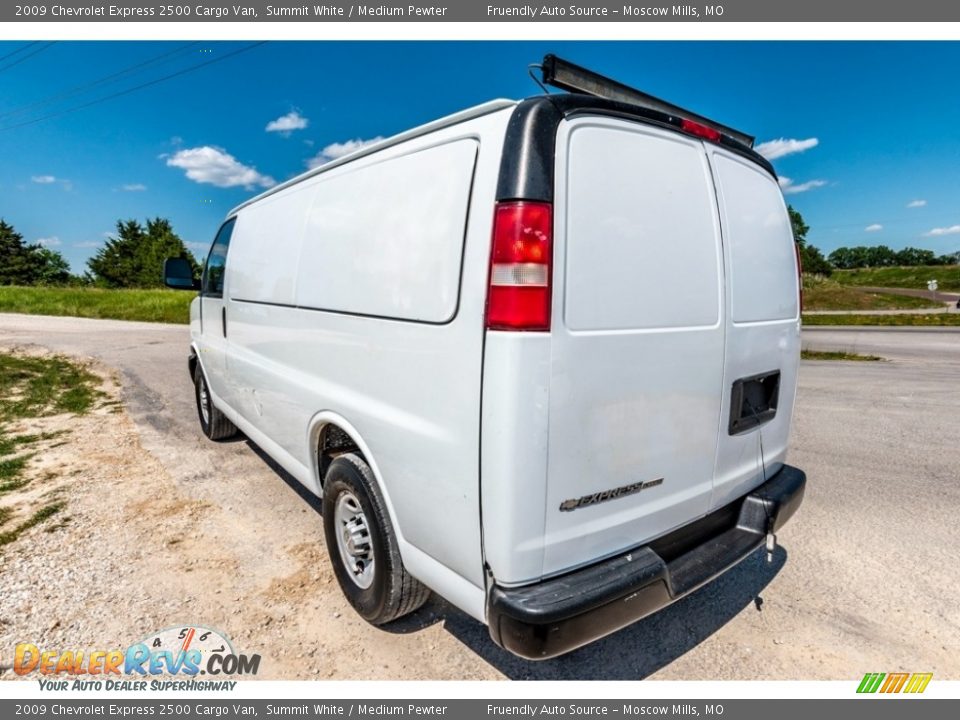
796, 249
695, 128
520, 264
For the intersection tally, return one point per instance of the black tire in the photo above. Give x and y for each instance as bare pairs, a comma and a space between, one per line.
214, 423
392, 592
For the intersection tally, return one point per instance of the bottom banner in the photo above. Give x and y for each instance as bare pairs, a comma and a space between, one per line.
875, 709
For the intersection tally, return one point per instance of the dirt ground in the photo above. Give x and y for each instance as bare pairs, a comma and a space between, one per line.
132, 553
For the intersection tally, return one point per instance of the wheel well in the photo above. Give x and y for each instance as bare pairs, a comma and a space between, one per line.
192, 364
333, 442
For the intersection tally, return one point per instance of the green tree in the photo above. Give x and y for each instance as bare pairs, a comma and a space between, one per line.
134, 258
22, 264
841, 258
50, 267
849, 258
114, 264
813, 261
799, 227
15, 265
881, 256
915, 256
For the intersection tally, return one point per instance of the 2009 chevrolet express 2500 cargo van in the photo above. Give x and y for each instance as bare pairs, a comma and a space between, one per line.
539, 357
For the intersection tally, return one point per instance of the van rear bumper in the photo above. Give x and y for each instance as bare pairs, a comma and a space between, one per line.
560, 614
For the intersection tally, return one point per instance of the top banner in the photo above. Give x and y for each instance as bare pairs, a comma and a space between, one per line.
616, 11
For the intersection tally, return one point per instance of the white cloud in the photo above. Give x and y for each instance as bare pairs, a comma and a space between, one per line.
286, 124
48, 241
215, 166
134, 187
789, 188
50, 180
876, 227
916, 203
952, 230
89, 243
201, 246
773, 149
338, 150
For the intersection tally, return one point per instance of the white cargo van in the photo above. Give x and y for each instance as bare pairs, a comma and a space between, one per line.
539, 357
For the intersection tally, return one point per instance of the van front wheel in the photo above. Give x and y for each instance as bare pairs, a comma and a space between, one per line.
215, 424
363, 547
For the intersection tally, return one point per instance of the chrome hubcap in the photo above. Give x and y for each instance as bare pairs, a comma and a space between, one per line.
353, 540
204, 402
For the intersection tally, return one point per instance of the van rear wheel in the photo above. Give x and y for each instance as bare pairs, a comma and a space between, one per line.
214, 423
363, 547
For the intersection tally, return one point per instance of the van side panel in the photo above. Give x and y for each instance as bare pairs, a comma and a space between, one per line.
514, 451
265, 247
386, 239
763, 322
411, 390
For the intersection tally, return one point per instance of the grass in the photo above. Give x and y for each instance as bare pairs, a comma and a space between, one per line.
30, 387
36, 386
823, 294
170, 306
906, 320
38, 517
11, 474
947, 277
837, 355
10, 443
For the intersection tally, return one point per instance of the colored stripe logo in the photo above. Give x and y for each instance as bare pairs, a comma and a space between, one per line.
894, 682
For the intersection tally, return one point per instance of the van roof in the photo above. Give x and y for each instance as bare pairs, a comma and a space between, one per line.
458, 117
532, 131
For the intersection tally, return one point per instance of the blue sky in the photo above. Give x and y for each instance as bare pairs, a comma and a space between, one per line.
867, 129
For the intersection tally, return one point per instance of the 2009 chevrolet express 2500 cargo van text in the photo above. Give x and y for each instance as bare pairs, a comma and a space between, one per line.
539, 357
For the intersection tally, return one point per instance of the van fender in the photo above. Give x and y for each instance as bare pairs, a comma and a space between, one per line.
195, 358
315, 427
438, 577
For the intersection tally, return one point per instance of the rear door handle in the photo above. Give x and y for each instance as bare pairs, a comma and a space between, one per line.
223, 320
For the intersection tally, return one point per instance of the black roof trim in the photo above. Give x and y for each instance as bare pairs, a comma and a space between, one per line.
529, 153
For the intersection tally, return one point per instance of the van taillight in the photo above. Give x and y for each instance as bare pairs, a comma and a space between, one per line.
796, 250
520, 266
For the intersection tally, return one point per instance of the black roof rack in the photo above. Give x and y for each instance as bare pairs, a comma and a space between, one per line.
567, 76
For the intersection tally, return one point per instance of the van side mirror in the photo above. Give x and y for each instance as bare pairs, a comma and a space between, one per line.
178, 274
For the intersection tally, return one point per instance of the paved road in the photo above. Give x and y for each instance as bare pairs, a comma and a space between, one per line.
866, 579
939, 296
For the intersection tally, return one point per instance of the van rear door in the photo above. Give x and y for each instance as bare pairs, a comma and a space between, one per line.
637, 339
762, 326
